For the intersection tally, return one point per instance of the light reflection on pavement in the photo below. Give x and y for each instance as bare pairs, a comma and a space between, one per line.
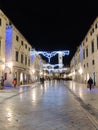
42, 107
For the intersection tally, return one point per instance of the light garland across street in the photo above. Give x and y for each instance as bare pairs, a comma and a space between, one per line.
49, 55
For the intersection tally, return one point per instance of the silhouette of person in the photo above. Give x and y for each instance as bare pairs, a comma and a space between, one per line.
90, 82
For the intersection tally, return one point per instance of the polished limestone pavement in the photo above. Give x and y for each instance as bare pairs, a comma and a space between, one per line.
54, 105
86, 97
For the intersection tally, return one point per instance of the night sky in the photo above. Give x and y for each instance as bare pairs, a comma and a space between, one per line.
52, 26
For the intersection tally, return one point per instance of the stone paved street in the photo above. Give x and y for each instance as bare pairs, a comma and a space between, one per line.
87, 98
51, 106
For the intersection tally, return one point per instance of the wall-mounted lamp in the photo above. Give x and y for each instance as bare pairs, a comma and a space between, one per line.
8, 66
80, 71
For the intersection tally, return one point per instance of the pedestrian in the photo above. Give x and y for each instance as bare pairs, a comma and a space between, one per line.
15, 82
42, 80
2, 82
90, 83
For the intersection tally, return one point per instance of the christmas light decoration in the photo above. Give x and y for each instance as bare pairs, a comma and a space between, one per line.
52, 66
49, 55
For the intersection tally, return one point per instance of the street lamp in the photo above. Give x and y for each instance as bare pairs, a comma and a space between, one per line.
80, 71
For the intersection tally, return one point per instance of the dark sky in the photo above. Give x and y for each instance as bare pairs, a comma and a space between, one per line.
50, 26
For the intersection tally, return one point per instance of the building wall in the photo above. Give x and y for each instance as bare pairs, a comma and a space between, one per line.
3, 21
15, 58
89, 62
37, 65
16, 43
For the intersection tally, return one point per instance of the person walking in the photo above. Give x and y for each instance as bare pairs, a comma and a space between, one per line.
2, 82
90, 83
15, 82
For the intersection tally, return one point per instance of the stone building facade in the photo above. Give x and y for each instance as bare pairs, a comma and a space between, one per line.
84, 63
15, 59
3, 22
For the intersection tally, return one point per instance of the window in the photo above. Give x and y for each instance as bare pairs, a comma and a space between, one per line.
25, 46
97, 42
96, 25
28, 62
93, 30
22, 43
93, 62
0, 47
0, 22
17, 38
90, 32
17, 55
86, 39
25, 60
21, 58
92, 46
87, 64
86, 52
29, 48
